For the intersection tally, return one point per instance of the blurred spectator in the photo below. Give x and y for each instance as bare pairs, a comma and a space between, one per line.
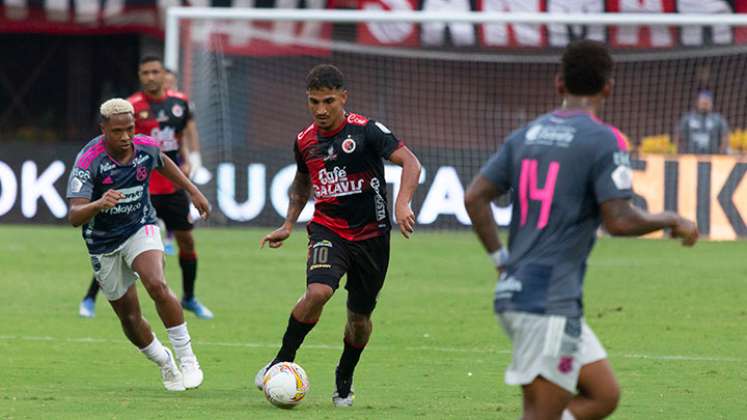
169, 80
702, 130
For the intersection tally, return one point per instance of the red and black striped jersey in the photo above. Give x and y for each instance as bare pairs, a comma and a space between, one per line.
163, 119
347, 175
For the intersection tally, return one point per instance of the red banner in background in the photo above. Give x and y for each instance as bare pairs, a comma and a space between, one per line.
272, 38
520, 35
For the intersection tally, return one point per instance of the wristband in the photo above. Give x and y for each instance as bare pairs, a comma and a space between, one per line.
500, 257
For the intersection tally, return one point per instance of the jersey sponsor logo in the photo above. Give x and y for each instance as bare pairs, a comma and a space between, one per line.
379, 204
81, 174
335, 183
323, 242
550, 135
622, 177
106, 166
357, 119
80, 177
507, 286
621, 158
348, 145
162, 117
139, 160
131, 194
177, 110
383, 128
76, 185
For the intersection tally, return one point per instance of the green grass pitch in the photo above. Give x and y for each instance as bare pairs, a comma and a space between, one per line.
673, 320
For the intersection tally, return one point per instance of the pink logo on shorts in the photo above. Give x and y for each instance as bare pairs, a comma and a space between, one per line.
566, 364
141, 173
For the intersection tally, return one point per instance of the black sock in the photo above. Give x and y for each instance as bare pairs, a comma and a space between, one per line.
292, 339
349, 359
188, 263
93, 290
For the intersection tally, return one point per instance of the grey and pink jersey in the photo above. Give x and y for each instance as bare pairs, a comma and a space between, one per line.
95, 172
559, 169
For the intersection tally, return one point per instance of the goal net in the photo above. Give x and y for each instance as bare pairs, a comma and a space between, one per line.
451, 104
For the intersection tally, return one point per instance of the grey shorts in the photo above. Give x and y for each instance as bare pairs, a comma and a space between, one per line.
114, 270
554, 347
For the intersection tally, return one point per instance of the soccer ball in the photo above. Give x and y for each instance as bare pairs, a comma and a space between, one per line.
285, 384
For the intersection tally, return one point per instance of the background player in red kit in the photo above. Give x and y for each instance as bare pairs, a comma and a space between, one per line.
166, 115
339, 158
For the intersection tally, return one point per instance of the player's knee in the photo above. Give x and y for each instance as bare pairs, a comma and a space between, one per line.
158, 290
131, 321
318, 294
186, 242
608, 400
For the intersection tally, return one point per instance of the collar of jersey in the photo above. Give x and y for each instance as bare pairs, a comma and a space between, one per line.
115, 161
334, 132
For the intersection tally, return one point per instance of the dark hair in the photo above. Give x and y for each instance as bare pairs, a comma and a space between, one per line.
586, 67
150, 58
324, 76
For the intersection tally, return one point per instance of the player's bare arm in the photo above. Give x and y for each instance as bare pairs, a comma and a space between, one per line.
299, 194
82, 210
184, 152
175, 175
408, 183
191, 137
480, 193
621, 218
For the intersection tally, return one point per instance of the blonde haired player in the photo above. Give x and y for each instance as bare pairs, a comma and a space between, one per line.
108, 194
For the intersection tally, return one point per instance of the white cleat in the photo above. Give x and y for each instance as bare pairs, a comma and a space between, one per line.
343, 402
170, 374
191, 372
259, 378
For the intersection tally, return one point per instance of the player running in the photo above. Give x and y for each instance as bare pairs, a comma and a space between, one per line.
339, 157
166, 115
108, 194
566, 171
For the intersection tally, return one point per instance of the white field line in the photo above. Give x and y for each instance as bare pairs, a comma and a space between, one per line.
660, 357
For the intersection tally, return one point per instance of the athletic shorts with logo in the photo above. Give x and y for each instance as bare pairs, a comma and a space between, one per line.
365, 262
114, 270
173, 209
554, 347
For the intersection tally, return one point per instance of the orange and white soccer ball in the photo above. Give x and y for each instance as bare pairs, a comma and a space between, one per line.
285, 384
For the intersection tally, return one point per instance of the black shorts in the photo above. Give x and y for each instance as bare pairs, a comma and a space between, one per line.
365, 263
173, 209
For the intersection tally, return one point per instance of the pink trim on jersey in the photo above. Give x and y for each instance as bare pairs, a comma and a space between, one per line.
91, 154
145, 140
621, 142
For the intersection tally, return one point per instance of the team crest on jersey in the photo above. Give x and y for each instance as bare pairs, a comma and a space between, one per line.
348, 145
177, 110
141, 173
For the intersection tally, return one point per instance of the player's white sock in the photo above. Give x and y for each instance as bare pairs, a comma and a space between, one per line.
567, 415
156, 352
179, 337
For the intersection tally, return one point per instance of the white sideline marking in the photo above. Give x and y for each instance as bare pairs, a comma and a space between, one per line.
672, 357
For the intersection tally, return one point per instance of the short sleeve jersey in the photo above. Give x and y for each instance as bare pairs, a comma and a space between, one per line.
703, 133
347, 175
559, 169
164, 120
95, 172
